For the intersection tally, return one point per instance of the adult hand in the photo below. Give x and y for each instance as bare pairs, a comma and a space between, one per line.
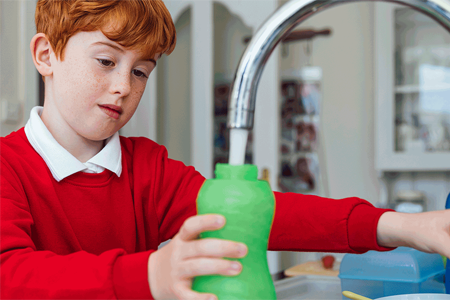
172, 268
427, 232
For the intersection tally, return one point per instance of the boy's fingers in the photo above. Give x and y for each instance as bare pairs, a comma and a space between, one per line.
195, 225
188, 294
208, 266
211, 247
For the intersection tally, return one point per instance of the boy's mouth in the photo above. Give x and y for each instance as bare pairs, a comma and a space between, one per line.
113, 111
116, 108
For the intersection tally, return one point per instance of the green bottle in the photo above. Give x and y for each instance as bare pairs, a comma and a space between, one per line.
248, 205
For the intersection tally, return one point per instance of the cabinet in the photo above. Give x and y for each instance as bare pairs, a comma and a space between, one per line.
412, 74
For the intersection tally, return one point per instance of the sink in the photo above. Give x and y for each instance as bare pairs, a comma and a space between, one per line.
311, 287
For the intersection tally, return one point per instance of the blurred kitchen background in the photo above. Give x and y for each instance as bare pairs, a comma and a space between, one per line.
361, 109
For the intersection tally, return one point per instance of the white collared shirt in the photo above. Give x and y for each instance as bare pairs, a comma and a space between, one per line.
63, 164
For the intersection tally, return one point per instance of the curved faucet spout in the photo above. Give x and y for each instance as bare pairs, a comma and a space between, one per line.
243, 94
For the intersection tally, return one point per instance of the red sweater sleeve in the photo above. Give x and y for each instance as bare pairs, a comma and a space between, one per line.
301, 222
312, 223
177, 187
30, 274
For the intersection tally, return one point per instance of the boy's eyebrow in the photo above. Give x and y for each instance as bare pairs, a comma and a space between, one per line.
118, 49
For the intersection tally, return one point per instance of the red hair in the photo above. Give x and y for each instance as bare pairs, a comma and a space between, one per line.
143, 25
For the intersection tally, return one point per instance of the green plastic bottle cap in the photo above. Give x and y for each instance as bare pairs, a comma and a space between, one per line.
243, 172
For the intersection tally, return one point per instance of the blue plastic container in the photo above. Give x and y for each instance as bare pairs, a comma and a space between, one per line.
447, 272
401, 271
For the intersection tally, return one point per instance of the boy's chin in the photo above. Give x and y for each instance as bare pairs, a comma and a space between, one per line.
98, 137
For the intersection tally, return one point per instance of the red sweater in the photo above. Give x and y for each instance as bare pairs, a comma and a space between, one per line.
90, 235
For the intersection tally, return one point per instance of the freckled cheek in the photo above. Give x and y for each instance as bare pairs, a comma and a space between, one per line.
137, 95
132, 104
85, 77
133, 107
95, 81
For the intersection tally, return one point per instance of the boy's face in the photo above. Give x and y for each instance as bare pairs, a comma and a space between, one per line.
98, 86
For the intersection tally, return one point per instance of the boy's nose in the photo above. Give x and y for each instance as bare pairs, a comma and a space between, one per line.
121, 84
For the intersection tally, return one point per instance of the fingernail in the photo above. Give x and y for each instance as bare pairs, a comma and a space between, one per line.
212, 298
235, 266
242, 249
220, 220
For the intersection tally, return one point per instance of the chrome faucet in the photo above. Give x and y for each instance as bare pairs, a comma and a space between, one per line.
243, 94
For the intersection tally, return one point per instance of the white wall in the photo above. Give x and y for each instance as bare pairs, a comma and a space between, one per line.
9, 58
18, 76
229, 32
174, 80
174, 90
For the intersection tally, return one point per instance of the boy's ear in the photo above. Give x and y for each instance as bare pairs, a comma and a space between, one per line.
40, 51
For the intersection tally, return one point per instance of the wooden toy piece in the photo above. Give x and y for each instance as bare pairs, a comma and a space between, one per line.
313, 268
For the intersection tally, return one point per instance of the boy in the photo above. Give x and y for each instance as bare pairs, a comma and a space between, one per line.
84, 210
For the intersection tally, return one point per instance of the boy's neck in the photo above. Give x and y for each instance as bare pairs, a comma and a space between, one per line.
81, 148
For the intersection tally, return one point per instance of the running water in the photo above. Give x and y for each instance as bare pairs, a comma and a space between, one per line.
238, 143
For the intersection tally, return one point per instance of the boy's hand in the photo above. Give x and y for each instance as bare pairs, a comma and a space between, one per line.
427, 232
171, 269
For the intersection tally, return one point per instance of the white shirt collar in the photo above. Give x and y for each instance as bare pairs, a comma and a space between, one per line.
63, 164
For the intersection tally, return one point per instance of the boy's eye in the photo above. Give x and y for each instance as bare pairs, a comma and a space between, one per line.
105, 62
139, 73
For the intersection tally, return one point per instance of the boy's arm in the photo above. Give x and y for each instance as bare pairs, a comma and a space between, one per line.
301, 223
427, 232
175, 187
312, 223
27, 273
